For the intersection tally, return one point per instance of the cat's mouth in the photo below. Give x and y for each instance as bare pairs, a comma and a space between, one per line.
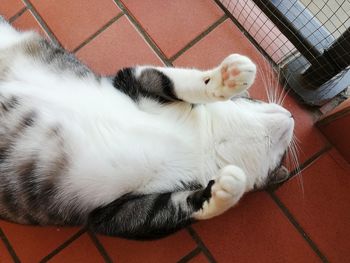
278, 176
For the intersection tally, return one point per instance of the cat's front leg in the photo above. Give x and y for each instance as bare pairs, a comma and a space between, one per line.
228, 188
150, 216
166, 84
232, 77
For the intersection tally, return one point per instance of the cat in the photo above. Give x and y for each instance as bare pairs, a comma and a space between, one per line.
138, 155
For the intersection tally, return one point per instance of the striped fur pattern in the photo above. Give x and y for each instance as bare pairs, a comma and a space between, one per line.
140, 154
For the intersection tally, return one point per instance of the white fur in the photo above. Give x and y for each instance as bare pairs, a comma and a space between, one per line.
228, 188
117, 147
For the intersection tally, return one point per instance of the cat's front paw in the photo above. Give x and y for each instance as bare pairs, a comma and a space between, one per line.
229, 186
230, 183
235, 75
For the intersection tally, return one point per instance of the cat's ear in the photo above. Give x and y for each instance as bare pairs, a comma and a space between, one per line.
280, 175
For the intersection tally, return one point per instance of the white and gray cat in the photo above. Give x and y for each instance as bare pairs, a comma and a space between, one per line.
137, 155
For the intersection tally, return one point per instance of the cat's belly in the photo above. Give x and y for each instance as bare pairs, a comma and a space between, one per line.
141, 157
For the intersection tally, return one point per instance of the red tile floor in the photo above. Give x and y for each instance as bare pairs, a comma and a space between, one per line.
287, 224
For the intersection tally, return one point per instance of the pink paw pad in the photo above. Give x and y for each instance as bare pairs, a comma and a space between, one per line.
226, 74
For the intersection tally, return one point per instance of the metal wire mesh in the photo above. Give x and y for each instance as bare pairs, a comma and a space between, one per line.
260, 28
309, 39
331, 15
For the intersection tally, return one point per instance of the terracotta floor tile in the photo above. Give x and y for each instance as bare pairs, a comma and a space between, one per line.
337, 132
74, 21
340, 160
173, 24
33, 243
323, 210
120, 45
261, 28
80, 250
8, 8
227, 39
254, 231
28, 22
310, 139
169, 249
201, 258
221, 42
5, 256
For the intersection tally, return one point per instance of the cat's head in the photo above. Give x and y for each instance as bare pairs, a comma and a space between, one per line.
253, 135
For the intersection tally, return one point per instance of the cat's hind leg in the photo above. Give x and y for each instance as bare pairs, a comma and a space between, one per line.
233, 76
156, 215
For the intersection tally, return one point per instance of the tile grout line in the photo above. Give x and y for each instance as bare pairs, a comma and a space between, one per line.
94, 35
288, 214
63, 245
199, 37
311, 159
17, 15
99, 247
9, 247
302, 167
298, 227
201, 244
42, 23
192, 254
143, 33
244, 31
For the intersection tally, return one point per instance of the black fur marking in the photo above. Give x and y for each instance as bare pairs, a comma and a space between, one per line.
126, 82
158, 84
26, 175
10, 200
28, 120
198, 198
191, 186
138, 217
149, 216
29, 192
31, 220
9, 104
56, 57
151, 84
4, 151
11, 137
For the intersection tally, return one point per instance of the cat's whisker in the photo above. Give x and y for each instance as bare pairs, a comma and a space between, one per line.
284, 97
284, 90
295, 155
284, 87
269, 77
278, 87
264, 80
275, 87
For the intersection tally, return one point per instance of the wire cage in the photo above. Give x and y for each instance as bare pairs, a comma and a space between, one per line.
309, 40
